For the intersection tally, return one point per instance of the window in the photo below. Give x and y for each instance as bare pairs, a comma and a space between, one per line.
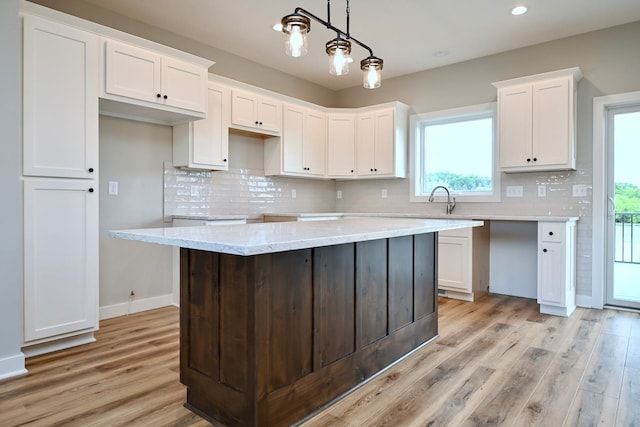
455, 148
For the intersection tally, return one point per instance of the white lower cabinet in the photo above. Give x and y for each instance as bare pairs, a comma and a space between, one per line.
556, 267
60, 260
463, 263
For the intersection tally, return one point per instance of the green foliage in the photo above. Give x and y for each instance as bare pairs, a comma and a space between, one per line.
627, 200
457, 182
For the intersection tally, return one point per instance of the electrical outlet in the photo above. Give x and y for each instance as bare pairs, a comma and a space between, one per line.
294, 193
113, 188
579, 190
514, 191
339, 194
383, 193
542, 191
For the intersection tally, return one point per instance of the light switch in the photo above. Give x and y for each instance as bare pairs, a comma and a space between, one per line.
514, 191
579, 190
542, 191
339, 194
113, 188
383, 193
294, 193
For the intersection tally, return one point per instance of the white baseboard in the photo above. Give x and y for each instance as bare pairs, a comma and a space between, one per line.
135, 306
12, 366
584, 301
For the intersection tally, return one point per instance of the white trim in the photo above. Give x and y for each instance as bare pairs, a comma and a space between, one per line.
601, 105
31, 350
136, 306
449, 116
584, 301
12, 366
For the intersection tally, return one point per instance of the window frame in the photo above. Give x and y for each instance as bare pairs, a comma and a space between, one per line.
416, 158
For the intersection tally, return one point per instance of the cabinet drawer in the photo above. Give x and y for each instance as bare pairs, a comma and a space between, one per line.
461, 232
551, 232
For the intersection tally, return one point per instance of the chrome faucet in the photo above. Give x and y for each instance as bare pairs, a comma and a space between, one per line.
451, 201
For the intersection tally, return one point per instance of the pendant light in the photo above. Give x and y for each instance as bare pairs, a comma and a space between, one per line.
297, 25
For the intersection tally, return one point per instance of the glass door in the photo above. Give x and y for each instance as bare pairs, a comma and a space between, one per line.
623, 193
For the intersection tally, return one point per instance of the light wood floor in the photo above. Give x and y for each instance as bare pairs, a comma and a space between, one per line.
496, 362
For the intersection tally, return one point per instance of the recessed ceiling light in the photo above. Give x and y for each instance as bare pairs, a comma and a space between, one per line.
519, 10
277, 27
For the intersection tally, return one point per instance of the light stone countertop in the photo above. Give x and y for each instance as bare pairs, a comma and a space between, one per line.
261, 238
454, 216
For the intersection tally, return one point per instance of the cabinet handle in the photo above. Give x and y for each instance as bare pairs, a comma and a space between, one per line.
260, 123
90, 190
535, 159
371, 169
257, 122
158, 95
551, 233
528, 160
544, 250
90, 170
351, 170
375, 169
165, 97
224, 160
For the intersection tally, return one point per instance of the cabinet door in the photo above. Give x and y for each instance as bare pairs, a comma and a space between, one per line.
60, 100
551, 122
551, 273
211, 135
454, 264
243, 108
60, 257
132, 72
366, 144
184, 85
269, 114
384, 149
515, 126
293, 139
315, 143
341, 146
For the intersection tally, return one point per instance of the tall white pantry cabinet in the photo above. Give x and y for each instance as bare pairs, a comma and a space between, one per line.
60, 161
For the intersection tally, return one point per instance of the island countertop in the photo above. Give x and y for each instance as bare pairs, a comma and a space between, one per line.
261, 238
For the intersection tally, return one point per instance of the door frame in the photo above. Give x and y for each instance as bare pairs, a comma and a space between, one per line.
601, 107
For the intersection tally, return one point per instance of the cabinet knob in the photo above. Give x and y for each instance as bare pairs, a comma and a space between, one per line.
90, 170
90, 190
544, 250
375, 169
224, 160
260, 123
165, 97
551, 233
351, 170
535, 159
158, 95
528, 160
371, 169
257, 122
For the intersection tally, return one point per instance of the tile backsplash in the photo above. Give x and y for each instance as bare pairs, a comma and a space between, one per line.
241, 191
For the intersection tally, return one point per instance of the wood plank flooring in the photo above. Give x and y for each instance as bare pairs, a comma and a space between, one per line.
498, 361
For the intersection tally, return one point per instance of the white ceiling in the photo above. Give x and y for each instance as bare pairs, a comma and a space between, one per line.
409, 35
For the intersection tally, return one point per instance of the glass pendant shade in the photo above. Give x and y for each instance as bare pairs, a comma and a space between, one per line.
296, 27
339, 51
371, 72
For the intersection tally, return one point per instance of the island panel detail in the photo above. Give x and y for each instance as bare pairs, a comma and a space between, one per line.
268, 339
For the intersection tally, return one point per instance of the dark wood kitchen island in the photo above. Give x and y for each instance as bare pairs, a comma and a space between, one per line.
279, 319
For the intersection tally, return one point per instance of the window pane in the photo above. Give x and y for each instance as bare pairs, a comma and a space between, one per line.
459, 155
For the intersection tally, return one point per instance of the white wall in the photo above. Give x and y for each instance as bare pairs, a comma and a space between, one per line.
610, 63
11, 359
133, 155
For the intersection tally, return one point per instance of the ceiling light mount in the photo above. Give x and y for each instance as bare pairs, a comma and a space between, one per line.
297, 25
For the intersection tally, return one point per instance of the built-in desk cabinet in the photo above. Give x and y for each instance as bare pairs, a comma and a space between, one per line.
556, 267
254, 112
463, 263
204, 144
537, 122
147, 78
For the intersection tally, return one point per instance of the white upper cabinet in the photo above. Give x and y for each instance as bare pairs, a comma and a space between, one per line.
255, 113
341, 145
301, 151
204, 144
381, 142
60, 100
145, 78
536, 122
